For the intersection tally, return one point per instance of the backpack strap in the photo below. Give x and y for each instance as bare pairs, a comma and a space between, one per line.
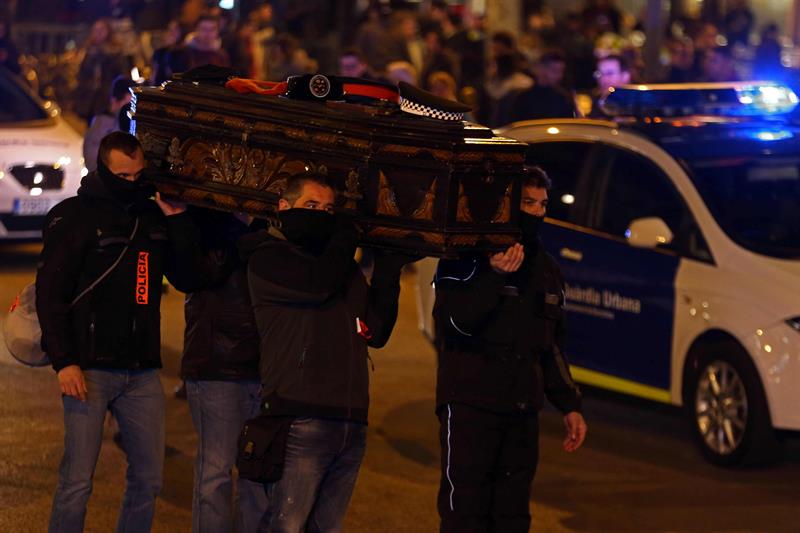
109, 269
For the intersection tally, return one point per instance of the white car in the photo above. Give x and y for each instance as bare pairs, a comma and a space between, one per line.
679, 239
41, 162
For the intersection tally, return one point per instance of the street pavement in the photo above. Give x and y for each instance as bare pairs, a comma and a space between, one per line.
638, 471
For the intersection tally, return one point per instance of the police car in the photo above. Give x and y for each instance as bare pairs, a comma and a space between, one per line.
41, 161
677, 225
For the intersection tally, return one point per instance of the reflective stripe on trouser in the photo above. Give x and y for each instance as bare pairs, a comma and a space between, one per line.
488, 463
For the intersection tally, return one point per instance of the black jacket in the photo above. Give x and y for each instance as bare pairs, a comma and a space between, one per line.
220, 340
308, 308
116, 325
500, 337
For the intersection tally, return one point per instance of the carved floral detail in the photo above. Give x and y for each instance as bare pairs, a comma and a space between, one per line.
387, 203
234, 164
503, 213
174, 157
153, 144
462, 210
351, 192
425, 209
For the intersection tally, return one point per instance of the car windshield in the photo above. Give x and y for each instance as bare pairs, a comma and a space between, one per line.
16, 105
756, 201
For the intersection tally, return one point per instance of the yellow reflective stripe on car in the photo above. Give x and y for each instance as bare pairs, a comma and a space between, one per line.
604, 381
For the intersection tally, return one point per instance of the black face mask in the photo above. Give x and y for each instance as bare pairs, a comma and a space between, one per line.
530, 224
124, 191
310, 229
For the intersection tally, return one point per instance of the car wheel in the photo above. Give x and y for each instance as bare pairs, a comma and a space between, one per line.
727, 407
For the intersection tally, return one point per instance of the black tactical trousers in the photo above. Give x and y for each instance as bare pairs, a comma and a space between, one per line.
488, 463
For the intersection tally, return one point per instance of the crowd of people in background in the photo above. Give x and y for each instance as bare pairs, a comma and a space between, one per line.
557, 66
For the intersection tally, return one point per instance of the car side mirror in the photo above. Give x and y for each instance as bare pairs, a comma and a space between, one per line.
648, 232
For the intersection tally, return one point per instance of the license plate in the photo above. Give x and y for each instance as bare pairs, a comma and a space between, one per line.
31, 206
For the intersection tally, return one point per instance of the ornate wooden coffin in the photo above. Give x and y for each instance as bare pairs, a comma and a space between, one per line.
417, 184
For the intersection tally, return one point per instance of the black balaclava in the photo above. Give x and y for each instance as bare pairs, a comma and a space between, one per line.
530, 224
311, 229
124, 191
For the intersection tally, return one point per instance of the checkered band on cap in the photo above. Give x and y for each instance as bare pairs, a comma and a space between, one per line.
415, 108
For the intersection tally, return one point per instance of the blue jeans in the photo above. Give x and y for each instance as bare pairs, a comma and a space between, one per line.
219, 410
136, 399
322, 462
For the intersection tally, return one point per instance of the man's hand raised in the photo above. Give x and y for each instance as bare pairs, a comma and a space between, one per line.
508, 261
72, 383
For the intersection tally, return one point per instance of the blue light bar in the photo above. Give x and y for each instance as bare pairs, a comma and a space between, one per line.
764, 135
739, 99
770, 99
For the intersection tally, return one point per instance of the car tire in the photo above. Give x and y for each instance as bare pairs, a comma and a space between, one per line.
727, 407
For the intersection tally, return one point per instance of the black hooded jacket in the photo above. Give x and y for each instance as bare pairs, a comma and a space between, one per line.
500, 337
309, 310
220, 340
117, 324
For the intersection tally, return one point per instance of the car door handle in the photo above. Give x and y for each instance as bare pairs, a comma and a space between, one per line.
572, 255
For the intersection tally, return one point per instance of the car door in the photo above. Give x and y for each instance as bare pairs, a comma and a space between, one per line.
621, 297
570, 166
